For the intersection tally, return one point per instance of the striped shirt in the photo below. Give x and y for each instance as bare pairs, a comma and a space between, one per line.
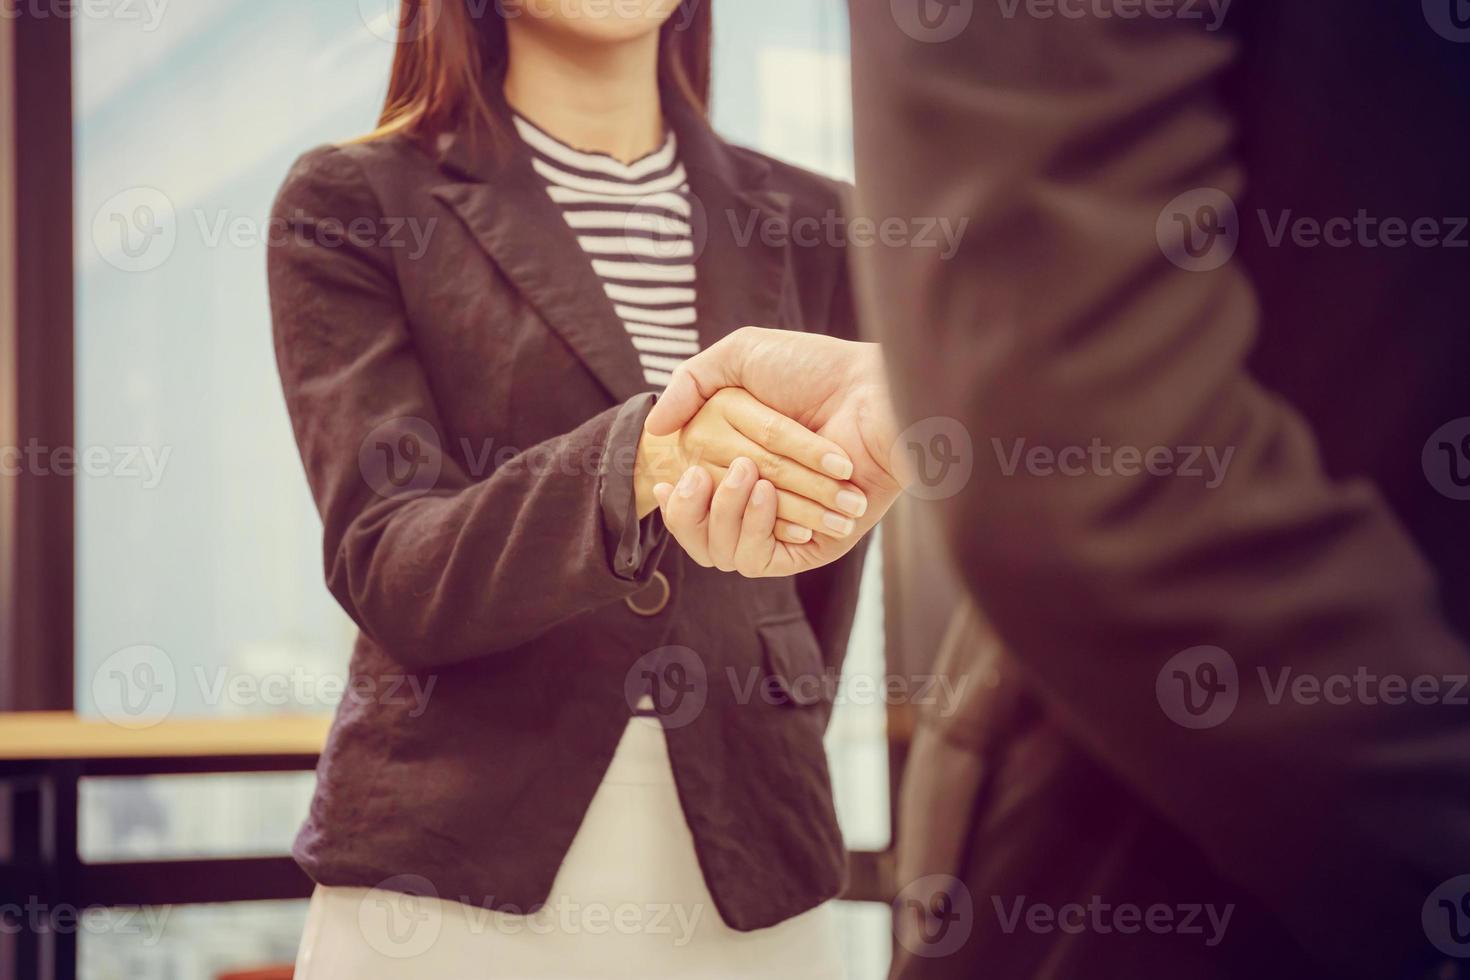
633, 221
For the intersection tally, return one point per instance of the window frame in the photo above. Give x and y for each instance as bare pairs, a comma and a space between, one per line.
37, 373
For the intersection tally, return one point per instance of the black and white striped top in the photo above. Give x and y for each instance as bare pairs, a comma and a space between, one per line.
633, 221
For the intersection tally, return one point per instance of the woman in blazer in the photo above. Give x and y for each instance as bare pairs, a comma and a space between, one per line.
474, 310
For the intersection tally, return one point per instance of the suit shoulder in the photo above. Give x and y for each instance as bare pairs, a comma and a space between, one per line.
337, 177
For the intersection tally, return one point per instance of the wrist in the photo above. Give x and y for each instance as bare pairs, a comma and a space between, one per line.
655, 464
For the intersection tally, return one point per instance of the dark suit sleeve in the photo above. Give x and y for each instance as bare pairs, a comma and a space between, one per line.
435, 566
1061, 321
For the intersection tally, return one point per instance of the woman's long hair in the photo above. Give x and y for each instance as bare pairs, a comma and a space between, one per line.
450, 53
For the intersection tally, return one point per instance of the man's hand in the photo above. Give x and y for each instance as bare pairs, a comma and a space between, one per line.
836, 388
808, 377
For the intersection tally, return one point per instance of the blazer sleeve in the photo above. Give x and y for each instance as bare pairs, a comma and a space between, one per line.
435, 566
1061, 323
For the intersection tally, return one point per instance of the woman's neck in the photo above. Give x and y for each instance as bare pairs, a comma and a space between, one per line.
598, 97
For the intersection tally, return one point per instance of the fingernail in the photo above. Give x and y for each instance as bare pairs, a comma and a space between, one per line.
800, 535
843, 526
739, 473
852, 502
686, 482
761, 495
837, 465
662, 489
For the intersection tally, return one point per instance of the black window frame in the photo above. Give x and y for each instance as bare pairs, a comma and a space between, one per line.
37, 511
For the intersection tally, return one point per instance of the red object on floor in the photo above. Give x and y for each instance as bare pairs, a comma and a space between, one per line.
268, 973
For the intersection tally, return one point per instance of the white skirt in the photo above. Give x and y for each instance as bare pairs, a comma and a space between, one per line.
629, 901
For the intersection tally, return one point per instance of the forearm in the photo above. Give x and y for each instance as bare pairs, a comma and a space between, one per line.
658, 461
474, 568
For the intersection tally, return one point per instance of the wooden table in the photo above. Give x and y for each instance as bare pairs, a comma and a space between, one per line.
44, 755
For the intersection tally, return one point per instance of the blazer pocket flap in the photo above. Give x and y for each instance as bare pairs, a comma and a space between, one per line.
794, 661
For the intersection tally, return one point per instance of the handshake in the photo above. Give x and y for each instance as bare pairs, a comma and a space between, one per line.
770, 453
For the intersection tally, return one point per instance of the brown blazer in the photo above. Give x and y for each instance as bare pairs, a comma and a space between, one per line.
1337, 833
467, 410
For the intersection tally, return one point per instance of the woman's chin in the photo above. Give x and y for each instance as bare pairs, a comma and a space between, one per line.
598, 23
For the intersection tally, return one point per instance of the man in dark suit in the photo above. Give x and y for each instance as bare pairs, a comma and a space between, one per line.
1201, 354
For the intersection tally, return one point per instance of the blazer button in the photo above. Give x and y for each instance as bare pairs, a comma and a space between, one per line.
653, 599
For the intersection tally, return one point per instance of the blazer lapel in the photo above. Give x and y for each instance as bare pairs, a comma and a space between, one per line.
506, 208
743, 271
741, 229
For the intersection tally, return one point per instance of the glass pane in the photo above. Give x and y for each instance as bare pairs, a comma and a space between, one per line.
767, 50
857, 740
188, 942
199, 583
196, 537
171, 817
866, 935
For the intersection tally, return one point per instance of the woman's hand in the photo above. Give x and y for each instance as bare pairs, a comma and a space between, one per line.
728, 524
732, 524
805, 474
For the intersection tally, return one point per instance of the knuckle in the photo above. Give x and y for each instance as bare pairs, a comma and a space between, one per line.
772, 427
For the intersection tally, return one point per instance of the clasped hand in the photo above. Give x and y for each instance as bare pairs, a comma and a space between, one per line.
740, 484
745, 488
